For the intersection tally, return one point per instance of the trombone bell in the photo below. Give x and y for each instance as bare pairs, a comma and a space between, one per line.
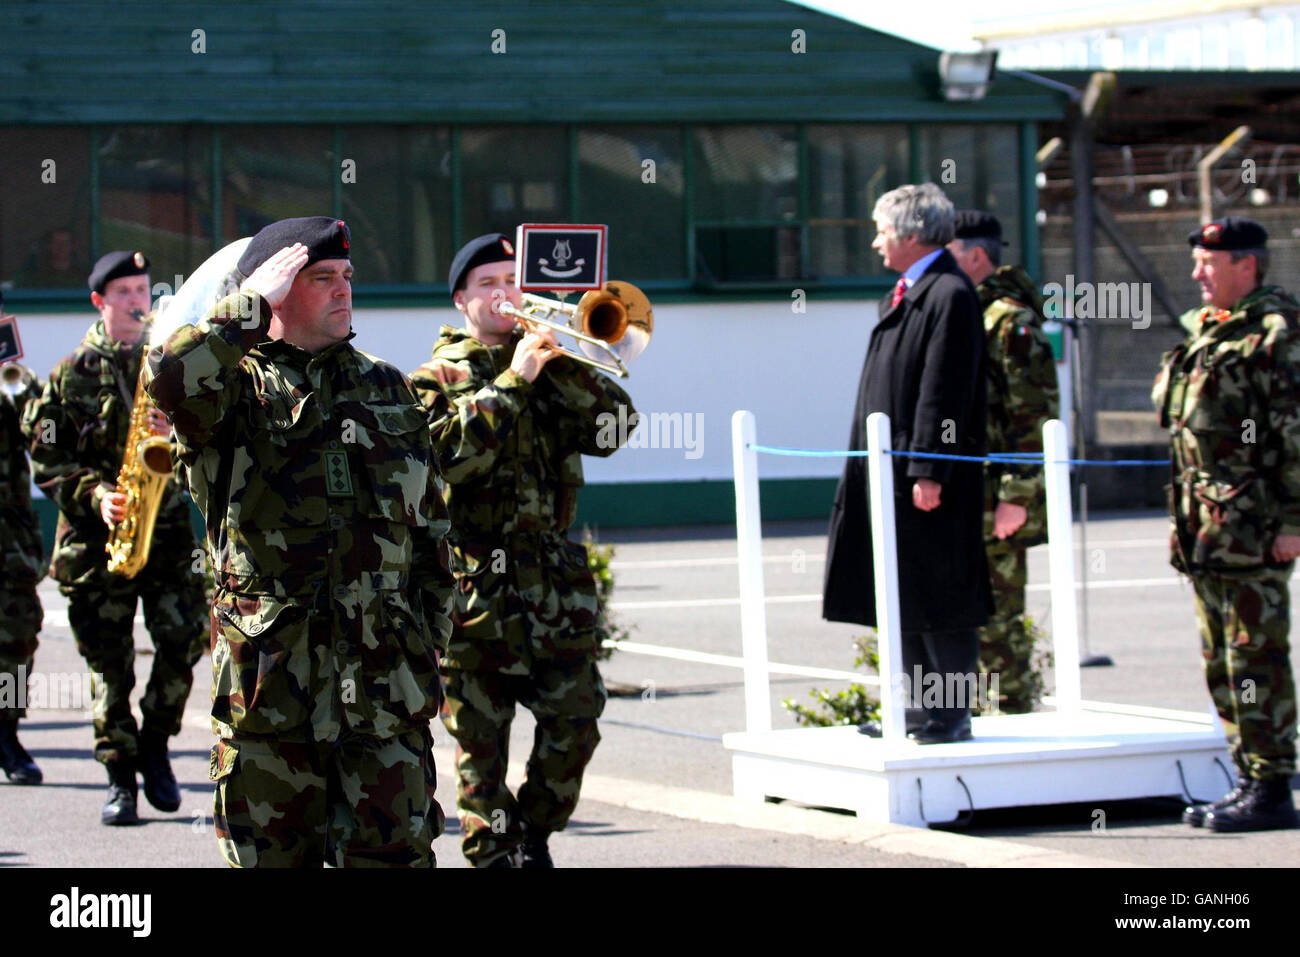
612, 325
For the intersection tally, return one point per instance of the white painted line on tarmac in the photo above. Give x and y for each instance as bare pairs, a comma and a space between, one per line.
800, 599
820, 556
816, 556
730, 661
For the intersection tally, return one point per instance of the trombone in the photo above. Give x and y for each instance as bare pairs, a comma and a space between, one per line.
615, 320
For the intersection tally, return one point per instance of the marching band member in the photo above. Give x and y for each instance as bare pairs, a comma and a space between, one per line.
20, 564
511, 418
310, 462
79, 428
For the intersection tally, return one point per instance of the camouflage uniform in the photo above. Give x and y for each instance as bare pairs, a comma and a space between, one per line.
1022, 396
313, 474
21, 559
524, 628
78, 428
1230, 397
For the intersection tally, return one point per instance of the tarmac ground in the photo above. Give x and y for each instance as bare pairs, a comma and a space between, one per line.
658, 792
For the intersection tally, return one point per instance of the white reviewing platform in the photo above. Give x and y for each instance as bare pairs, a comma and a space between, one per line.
1082, 751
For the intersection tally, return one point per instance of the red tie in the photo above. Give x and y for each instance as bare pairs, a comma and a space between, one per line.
899, 291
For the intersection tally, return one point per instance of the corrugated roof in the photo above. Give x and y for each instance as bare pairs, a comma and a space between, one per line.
378, 61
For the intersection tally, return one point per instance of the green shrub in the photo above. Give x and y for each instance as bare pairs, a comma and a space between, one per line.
853, 705
608, 626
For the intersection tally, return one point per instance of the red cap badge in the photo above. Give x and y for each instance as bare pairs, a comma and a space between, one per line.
1211, 233
345, 233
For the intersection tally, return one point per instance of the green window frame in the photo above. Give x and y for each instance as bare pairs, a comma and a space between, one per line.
804, 173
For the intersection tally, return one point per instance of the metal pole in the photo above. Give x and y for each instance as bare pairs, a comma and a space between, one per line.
1206, 166
749, 553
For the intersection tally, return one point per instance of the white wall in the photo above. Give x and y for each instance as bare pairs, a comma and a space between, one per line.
798, 373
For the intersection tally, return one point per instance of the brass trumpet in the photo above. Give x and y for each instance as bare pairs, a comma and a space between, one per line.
616, 320
14, 378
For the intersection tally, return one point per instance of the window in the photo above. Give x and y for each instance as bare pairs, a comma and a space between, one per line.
746, 195
986, 170
155, 195
710, 206
643, 205
512, 175
45, 207
275, 172
849, 168
399, 206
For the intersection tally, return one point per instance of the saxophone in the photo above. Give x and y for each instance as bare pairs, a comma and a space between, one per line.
146, 470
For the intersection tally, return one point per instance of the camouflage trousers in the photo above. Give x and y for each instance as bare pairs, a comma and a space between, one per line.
566, 696
101, 615
1244, 626
1006, 646
359, 801
20, 623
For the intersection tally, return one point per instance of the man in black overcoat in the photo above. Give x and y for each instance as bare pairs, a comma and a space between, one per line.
925, 368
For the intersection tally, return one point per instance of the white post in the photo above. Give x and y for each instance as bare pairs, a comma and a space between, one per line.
1060, 544
880, 475
749, 547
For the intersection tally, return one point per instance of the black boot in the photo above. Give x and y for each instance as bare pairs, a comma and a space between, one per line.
1263, 806
14, 759
160, 786
534, 854
1194, 814
120, 806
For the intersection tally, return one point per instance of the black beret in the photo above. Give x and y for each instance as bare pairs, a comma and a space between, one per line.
1229, 233
324, 236
488, 248
977, 224
115, 265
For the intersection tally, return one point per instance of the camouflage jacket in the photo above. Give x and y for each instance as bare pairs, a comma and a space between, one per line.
1023, 394
324, 524
21, 555
511, 453
1230, 397
78, 429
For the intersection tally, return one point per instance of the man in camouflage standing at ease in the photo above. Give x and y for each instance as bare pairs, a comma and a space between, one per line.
79, 429
310, 462
1023, 395
1230, 397
511, 419
20, 571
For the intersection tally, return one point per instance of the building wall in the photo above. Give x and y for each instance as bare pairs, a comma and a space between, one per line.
798, 373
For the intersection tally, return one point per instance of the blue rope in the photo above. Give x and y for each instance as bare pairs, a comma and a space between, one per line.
1005, 458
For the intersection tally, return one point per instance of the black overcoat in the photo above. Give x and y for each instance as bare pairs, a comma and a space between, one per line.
925, 367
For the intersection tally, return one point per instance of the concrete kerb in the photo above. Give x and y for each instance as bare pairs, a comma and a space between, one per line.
722, 809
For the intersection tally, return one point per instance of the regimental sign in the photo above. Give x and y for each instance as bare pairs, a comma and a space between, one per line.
11, 347
560, 256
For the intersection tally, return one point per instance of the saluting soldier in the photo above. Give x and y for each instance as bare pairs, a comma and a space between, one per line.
21, 569
1023, 395
1230, 397
310, 461
511, 419
79, 428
